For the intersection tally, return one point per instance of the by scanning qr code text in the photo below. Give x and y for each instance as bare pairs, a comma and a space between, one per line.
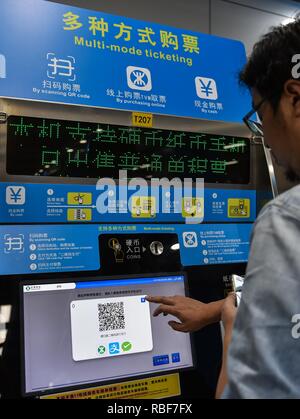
111, 316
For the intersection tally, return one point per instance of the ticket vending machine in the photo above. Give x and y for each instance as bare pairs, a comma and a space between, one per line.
79, 256
127, 260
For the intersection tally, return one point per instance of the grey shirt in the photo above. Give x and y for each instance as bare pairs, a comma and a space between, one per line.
264, 357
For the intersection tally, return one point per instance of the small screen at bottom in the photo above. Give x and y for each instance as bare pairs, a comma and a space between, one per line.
79, 333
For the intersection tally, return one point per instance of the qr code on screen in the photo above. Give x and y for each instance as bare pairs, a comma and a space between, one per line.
111, 316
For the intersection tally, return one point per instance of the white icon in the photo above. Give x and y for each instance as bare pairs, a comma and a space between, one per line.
111, 193
190, 239
33, 267
215, 195
2, 67
139, 78
61, 67
15, 195
50, 192
14, 243
33, 256
203, 243
205, 252
206, 88
206, 261
32, 247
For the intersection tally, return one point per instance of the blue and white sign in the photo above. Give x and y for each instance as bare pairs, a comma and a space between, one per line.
216, 244
50, 249
48, 203
58, 53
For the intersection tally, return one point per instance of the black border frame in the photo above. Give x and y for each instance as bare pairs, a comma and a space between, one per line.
93, 384
213, 182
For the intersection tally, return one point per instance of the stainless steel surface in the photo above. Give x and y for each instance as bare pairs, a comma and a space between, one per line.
271, 172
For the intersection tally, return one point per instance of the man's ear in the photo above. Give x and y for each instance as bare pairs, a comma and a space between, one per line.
292, 92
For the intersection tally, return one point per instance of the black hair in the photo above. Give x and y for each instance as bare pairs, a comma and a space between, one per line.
270, 64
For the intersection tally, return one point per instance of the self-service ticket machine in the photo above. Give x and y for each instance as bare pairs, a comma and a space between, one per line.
79, 255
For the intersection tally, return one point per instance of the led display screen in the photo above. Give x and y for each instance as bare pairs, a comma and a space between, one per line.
61, 148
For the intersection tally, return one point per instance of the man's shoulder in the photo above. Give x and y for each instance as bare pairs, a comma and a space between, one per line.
286, 203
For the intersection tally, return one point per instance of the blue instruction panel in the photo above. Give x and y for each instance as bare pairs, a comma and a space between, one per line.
50, 249
65, 54
215, 244
49, 203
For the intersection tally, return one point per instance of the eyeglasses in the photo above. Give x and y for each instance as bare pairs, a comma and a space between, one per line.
255, 127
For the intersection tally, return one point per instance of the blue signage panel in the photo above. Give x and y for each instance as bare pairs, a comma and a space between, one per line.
58, 53
48, 249
215, 244
49, 203
51, 249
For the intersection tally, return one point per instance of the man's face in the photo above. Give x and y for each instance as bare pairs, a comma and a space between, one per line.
282, 130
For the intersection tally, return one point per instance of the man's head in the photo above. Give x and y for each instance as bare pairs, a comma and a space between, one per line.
269, 74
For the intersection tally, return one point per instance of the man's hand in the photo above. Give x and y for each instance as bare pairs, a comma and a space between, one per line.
193, 314
229, 313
